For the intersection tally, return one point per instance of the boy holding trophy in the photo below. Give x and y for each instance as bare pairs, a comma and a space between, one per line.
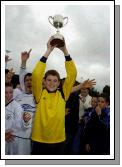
48, 132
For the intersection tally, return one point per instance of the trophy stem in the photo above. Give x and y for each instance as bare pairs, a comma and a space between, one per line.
57, 29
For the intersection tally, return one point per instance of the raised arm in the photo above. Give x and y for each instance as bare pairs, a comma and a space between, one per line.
7, 59
24, 57
86, 84
38, 72
71, 73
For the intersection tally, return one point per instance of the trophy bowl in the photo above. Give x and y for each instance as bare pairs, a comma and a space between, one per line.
58, 22
57, 40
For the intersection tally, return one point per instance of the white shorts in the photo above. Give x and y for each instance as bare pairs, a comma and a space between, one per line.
19, 146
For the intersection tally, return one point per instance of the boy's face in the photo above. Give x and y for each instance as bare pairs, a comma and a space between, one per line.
28, 84
84, 92
94, 102
51, 83
8, 94
102, 103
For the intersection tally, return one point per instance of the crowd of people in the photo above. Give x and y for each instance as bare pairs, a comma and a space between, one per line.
47, 115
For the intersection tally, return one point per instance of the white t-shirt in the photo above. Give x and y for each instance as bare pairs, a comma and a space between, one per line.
84, 105
13, 117
27, 103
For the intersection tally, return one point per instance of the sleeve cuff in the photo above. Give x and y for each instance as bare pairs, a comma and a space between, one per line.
68, 58
43, 59
22, 67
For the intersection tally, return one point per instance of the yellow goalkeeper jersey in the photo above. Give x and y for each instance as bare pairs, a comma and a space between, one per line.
49, 119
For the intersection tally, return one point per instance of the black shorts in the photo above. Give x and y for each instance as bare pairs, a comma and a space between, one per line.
47, 149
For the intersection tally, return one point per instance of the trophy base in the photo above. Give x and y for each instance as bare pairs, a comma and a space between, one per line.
58, 42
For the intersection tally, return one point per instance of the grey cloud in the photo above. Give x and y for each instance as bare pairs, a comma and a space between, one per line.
92, 25
91, 47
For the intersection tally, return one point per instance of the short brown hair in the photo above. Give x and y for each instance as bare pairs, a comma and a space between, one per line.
52, 72
8, 85
27, 75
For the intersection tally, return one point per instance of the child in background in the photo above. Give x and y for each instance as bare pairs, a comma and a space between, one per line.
13, 117
97, 130
26, 100
16, 122
88, 112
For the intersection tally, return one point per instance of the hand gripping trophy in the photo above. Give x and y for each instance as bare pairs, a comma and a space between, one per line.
58, 22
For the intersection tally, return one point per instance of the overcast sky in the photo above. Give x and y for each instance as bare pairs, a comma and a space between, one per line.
87, 36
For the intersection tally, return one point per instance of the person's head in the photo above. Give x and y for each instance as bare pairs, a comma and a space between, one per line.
8, 75
15, 81
51, 80
106, 89
84, 92
6, 71
94, 101
28, 82
103, 100
8, 92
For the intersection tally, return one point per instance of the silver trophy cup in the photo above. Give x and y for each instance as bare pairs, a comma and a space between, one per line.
58, 22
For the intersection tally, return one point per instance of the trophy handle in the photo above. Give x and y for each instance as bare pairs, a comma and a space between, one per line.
50, 17
66, 20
